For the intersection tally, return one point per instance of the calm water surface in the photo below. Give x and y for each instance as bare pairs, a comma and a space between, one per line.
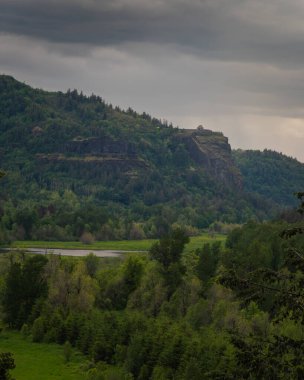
73, 252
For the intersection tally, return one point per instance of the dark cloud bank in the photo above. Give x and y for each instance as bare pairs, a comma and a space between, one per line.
234, 65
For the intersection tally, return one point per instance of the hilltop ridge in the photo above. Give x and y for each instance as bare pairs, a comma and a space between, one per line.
136, 168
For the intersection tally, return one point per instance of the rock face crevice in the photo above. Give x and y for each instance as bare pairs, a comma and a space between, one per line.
213, 151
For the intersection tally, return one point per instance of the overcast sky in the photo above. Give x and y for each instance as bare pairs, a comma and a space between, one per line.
235, 66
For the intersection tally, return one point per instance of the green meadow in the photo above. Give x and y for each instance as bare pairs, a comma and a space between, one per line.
124, 245
40, 361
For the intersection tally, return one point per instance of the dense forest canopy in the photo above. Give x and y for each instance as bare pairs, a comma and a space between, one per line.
78, 166
270, 174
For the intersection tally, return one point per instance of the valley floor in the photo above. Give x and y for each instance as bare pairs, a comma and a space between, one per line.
123, 245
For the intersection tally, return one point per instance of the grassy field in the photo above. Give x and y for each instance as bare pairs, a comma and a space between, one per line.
199, 241
37, 361
124, 245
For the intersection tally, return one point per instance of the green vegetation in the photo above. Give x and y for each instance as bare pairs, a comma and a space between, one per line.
81, 174
36, 361
78, 169
216, 312
7, 363
124, 245
270, 174
272, 275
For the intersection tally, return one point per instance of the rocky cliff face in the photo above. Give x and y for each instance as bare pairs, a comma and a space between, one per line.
93, 156
100, 146
212, 151
206, 148
130, 162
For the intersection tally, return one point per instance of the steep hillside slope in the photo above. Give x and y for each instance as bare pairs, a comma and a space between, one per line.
78, 164
270, 174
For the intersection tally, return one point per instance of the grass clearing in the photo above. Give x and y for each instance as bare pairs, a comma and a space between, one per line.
124, 245
37, 361
200, 240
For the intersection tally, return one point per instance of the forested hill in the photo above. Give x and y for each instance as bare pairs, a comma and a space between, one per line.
76, 164
270, 174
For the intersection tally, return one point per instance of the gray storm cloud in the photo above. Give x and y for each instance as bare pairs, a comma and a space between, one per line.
236, 65
219, 29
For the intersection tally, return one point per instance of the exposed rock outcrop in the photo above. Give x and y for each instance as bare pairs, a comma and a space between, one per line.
99, 146
212, 150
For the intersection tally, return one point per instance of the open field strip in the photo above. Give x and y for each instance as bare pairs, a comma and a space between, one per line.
122, 245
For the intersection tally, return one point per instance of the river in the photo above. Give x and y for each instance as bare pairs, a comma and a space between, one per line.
72, 252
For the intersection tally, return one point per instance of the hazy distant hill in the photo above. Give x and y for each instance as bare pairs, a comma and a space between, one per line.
271, 174
133, 167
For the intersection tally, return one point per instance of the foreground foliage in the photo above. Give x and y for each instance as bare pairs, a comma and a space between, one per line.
6, 363
278, 287
232, 312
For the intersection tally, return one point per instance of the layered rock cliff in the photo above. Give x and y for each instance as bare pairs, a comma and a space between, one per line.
212, 151
130, 162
